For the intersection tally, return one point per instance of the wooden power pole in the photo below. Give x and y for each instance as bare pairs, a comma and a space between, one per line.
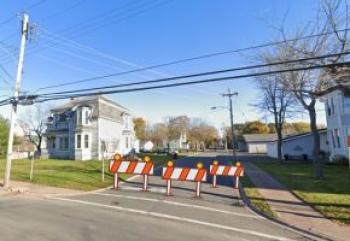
229, 94
24, 38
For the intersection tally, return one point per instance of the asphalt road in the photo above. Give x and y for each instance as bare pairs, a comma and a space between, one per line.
129, 214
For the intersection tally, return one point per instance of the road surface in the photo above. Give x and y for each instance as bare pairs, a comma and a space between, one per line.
130, 214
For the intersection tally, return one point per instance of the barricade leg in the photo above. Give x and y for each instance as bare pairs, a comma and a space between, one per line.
116, 181
145, 182
168, 187
237, 182
214, 181
198, 189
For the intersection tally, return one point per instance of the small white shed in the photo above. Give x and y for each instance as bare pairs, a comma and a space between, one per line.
257, 143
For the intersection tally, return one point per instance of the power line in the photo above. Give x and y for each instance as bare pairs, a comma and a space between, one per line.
36, 98
205, 56
76, 32
249, 67
62, 11
8, 75
38, 3
90, 50
142, 8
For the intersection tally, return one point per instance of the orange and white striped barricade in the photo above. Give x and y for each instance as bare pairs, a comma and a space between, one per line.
222, 170
118, 166
197, 175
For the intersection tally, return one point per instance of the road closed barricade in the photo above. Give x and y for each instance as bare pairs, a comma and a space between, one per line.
226, 170
133, 167
197, 175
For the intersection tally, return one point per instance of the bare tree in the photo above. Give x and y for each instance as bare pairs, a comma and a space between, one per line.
276, 100
34, 121
329, 38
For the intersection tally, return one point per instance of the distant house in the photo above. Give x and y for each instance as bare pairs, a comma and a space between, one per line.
299, 146
336, 100
180, 143
257, 143
86, 128
24, 149
147, 146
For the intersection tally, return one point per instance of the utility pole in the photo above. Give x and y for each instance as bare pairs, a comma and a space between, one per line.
24, 38
229, 94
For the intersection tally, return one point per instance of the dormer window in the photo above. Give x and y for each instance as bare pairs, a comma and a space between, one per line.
126, 120
332, 105
83, 116
86, 117
329, 112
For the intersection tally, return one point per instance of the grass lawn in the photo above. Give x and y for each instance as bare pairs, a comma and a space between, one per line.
255, 197
330, 196
66, 173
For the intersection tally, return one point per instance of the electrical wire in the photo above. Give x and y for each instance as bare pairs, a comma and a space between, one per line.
249, 67
205, 56
38, 3
201, 81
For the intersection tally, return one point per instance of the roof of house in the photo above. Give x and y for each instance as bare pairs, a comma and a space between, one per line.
259, 137
300, 135
76, 101
344, 88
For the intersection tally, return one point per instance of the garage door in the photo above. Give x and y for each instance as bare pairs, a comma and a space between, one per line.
257, 148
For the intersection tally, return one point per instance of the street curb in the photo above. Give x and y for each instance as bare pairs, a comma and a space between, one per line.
306, 233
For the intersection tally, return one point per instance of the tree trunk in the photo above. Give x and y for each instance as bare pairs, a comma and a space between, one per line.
279, 127
316, 148
279, 145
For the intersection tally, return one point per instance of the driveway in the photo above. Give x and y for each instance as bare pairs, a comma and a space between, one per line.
130, 214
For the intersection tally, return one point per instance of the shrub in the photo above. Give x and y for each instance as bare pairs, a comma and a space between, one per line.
340, 160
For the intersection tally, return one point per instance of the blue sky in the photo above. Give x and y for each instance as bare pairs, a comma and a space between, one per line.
76, 39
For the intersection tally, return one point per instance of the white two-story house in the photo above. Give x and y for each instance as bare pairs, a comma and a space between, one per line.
88, 128
336, 99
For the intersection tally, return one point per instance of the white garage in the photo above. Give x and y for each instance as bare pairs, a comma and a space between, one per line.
257, 143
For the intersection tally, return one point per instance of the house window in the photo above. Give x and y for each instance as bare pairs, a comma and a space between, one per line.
53, 142
337, 135
66, 143
79, 117
126, 122
79, 141
62, 118
86, 141
346, 104
333, 138
63, 143
86, 117
332, 104
328, 108
126, 142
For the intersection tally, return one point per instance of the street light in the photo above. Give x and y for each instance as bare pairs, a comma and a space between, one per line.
232, 130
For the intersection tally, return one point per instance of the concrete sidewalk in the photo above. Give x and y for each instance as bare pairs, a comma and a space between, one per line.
292, 210
28, 188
